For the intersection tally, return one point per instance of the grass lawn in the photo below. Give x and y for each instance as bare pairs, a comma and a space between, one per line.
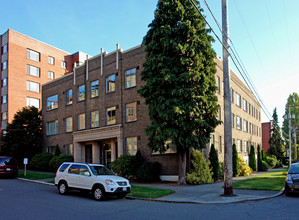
35, 176
146, 192
270, 181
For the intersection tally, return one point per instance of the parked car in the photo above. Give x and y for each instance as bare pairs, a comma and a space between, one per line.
95, 178
8, 166
292, 179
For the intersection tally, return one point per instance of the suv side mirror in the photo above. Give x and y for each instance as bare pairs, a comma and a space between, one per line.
86, 174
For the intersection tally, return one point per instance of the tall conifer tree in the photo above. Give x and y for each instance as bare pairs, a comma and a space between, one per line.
179, 72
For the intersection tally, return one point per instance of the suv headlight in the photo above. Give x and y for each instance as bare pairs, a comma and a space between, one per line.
109, 182
289, 179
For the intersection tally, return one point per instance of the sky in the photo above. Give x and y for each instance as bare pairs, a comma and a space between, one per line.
264, 34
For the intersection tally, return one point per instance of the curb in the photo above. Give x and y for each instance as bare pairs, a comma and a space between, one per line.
36, 181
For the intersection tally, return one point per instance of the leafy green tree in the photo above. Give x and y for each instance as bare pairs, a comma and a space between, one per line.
275, 139
23, 137
293, 102
236, 166
214, 162
259, 159
179, 72
252, 160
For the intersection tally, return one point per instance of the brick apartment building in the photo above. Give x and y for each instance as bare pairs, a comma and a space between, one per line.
26, 64
266, 135
96, 114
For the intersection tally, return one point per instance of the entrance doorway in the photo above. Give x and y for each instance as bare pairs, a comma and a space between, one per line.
105, 154
88, 153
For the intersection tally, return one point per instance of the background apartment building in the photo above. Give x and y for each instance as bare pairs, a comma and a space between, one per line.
96, 113
26, 64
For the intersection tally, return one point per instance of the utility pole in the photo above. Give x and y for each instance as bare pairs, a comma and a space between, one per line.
295, 143
228, 170
290, 137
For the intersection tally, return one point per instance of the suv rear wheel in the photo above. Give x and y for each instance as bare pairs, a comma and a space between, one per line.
98, 193
62, 188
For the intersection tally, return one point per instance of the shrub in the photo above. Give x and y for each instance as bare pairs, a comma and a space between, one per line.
271, 161
149, 172
259, 158
57, 150
41, 161
214, 162
137, 162
278, 164
264, 166
201, 173
245, 170
263, 155
252, 160
56, 161
236, 166
221, 171
123, 166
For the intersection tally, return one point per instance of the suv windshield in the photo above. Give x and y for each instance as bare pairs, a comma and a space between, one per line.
294, 169
100, 170
7, 161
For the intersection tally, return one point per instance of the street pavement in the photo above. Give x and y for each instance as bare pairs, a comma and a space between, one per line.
201, 194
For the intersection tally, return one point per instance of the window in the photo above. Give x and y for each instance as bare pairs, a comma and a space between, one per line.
51, 75
63, 64
4, 116
212, 140
130, 78
238, 100
52, 127
219, 113
233, 120
218, 84
69, 97
4, 49
33, 55
245, 146
95, 119
245, 125
220, 144
110, 84
111, 116
4, 65
4, 99
249, 108
81, 121
239, 123
131, 145
81, 93
52, 102
33, 102
239, 146
33, 71
69, 149
4, 82
51, 60
51, 149
244, 105
232, 95
131, 114
94, 89
249, 128
69, 124
33, 86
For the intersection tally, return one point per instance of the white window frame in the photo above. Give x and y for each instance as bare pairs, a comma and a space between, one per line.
33, 55
110, 84
131, 143
52, 102
130, 78
131, 112
51, 75
110, 117
33, 102
94, 89
52, 128
81, 121
69, 124
95, 119
33, 86
51, 60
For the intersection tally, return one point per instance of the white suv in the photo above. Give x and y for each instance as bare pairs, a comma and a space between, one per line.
91, 177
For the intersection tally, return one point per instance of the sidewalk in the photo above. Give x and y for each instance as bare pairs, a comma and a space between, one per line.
200, 194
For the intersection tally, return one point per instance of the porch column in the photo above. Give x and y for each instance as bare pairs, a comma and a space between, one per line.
78, 149
95, 152
113, 151
120, 145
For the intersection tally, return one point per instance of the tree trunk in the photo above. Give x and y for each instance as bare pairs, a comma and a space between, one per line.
182, 167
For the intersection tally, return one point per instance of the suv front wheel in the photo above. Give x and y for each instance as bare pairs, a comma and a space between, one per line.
62, 188
98, 193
